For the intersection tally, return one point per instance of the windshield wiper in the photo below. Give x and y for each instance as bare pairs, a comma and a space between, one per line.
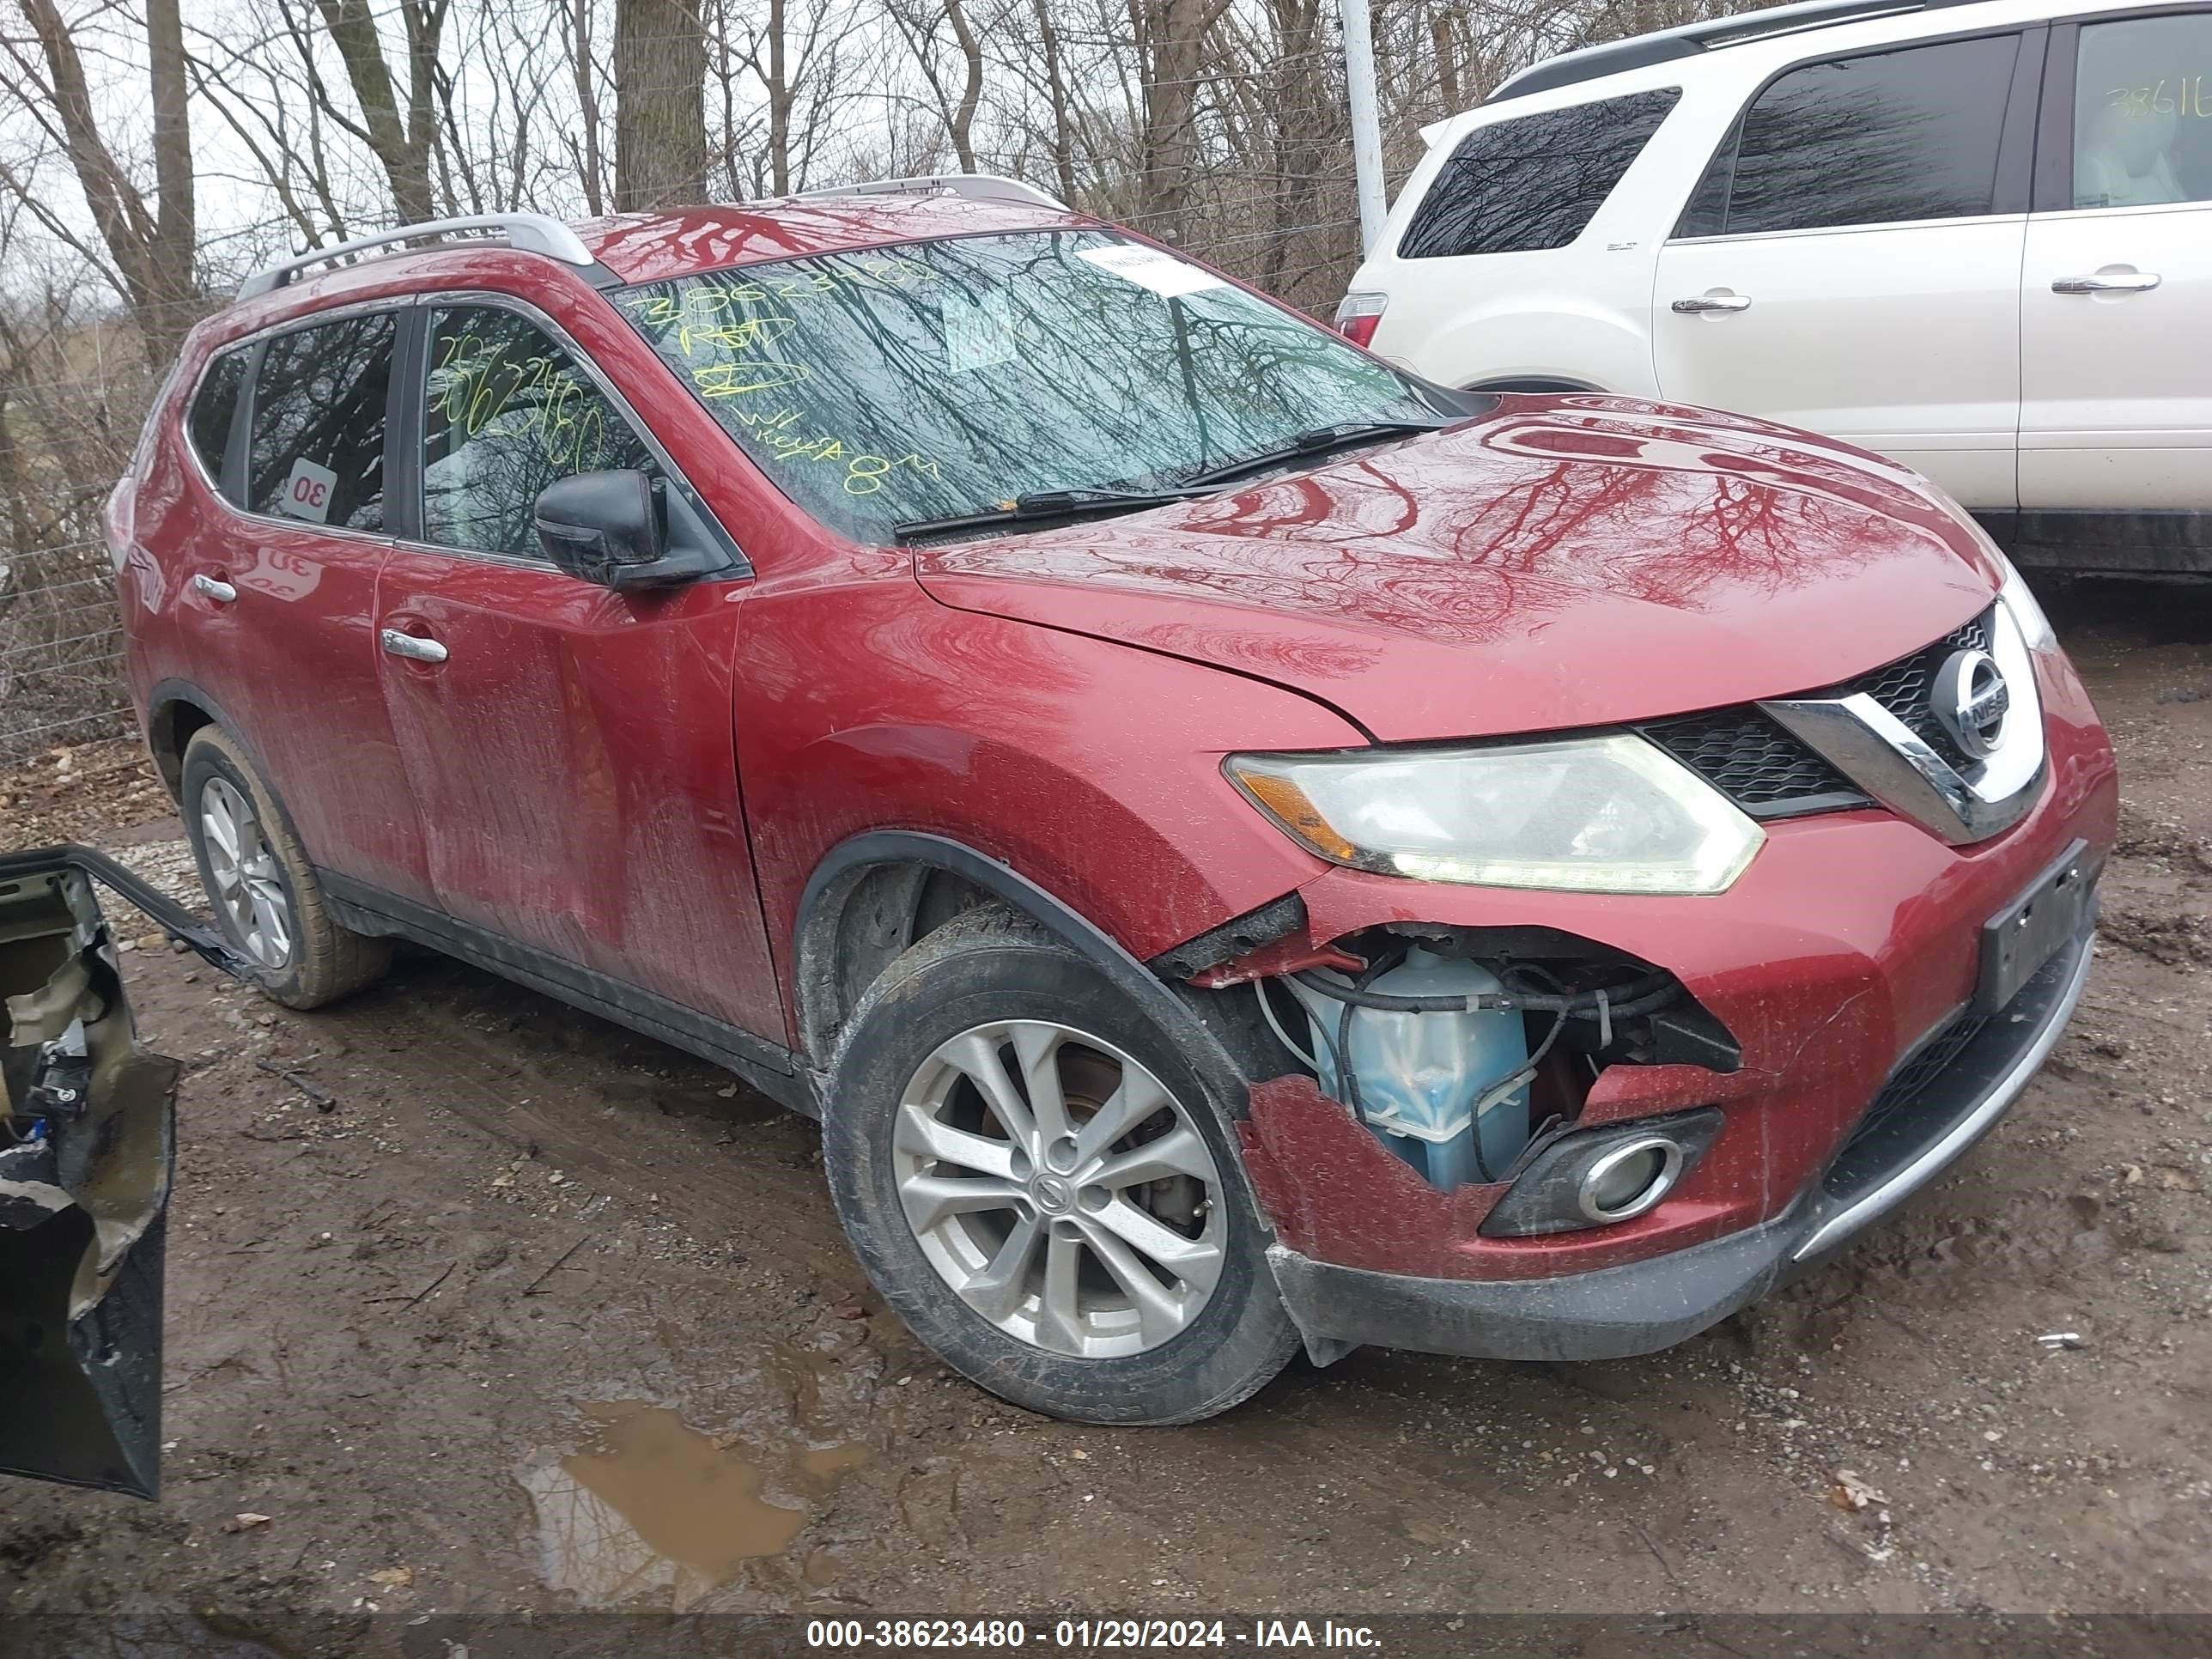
1047, 504
1318, 441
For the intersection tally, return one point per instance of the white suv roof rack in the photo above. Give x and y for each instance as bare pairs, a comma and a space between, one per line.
977, 187
532, 233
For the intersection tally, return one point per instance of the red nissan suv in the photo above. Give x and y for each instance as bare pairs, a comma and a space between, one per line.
1240, 846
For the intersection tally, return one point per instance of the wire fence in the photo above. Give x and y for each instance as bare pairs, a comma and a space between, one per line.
1219, 126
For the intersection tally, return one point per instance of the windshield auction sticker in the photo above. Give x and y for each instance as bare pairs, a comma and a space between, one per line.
1151, 268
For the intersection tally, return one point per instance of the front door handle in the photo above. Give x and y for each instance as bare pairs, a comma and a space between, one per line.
2141, 281
410, 646
216, 588
1698, 303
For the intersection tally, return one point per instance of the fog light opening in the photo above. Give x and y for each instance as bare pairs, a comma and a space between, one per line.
1629, 1179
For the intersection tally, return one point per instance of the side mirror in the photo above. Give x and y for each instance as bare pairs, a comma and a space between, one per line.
610, 528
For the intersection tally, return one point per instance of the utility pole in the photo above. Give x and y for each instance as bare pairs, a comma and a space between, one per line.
1366, 126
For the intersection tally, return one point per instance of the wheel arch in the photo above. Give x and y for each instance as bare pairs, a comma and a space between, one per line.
866, 899
174, 710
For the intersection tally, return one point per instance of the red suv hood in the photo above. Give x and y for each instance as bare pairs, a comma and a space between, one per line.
1560, 562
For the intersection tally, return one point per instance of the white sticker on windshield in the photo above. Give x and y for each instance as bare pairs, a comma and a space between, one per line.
1152, 268
978, 333
309, 491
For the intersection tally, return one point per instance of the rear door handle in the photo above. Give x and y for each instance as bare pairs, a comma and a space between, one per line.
2138, 282
410, 646
1702, 302
214, 588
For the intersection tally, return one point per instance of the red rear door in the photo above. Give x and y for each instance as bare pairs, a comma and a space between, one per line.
276, 601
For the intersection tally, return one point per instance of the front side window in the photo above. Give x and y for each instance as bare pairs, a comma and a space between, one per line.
1533, 182
1893, 136
2142, 111
317, 443
939, 379
214, 408
509, 412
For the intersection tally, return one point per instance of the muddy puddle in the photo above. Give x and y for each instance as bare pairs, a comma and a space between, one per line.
652, 1505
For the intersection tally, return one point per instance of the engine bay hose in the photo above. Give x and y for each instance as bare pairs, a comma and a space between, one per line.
1640, 996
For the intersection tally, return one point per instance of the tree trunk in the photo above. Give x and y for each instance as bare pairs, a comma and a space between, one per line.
153, 256
660, 109
1173, 35
587, 108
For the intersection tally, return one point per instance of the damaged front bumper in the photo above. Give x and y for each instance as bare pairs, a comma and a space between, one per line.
1639, 1307
87, 1140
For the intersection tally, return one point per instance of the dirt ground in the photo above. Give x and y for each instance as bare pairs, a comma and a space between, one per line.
544, 1315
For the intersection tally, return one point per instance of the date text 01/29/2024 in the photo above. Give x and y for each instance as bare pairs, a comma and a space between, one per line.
1087, 1634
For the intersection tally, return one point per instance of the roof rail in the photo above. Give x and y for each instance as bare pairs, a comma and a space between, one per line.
532, 233
1643, 50
977, 187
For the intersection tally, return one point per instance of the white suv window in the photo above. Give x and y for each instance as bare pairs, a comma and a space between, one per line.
1533, 182
1890, 136
2142, 121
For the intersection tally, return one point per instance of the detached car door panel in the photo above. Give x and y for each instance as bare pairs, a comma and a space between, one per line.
2116, 318
1849, 262
570, 748
87, 1134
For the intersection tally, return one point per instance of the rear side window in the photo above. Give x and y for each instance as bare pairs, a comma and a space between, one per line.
1896, 136
214, 406
1533, 182
318, 402
2142, 111
510, 411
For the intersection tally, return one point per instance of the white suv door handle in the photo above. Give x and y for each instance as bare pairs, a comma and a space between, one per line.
1700, 303
411, 645
214, 588
2138, 282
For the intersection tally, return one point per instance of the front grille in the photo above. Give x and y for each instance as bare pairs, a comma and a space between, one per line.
1902, 688
1754, 762
1767, 772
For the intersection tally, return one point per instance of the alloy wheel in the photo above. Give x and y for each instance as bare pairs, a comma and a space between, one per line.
242, 872
1059, 1188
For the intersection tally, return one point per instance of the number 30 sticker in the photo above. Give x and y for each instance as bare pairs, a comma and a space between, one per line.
307, 492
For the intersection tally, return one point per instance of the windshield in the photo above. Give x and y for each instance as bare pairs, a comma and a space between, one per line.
938, 379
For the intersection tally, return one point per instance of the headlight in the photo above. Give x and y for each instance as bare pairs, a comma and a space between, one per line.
2027, 611
1595, 815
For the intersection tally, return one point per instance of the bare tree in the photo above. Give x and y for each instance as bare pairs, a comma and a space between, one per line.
152, 248
401, 138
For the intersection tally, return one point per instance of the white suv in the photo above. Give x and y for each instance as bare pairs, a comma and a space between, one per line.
1976, 237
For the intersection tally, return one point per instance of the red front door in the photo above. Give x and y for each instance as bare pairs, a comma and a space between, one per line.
570, 749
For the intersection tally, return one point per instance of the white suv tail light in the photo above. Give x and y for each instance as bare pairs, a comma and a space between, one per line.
1356, 314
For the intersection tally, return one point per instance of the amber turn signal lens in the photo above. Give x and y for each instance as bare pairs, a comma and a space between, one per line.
1298, 815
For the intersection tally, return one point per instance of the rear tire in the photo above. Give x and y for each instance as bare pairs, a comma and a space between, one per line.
1113, 1276
259, 884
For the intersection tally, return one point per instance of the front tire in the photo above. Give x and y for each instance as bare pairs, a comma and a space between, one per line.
260, 885
1037, 1183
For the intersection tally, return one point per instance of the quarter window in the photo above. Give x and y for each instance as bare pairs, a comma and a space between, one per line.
214, 407
2142, 113
1533, 182
509, 412
1892, 137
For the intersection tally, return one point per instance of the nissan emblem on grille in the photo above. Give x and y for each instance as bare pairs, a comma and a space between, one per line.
1969, 700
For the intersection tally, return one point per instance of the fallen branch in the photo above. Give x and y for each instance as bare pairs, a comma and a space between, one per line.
531, 1288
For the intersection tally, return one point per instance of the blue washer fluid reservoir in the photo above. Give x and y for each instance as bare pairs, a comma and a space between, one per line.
1420, 1075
